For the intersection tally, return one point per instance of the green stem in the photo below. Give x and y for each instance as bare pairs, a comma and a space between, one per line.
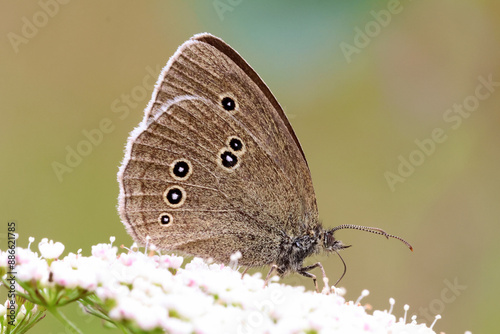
64, 320
123, 328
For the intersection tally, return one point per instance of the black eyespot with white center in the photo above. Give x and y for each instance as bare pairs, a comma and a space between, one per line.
180, 169
165, 219
229, 160
236, 144
228, 104
174, 196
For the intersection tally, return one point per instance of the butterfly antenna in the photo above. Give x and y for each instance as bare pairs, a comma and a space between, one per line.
375, 230
345, 269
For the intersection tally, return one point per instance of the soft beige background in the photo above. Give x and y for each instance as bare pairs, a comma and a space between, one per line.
354, 119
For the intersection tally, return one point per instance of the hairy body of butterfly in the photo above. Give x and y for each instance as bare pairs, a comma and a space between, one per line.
215, 167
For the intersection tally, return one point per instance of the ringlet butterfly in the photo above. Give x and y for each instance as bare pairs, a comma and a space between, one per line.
215, 168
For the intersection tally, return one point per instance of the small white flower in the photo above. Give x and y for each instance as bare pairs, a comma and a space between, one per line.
87, 279
4, 258
150, 317
72, 260
37, 270
25, 256
104, 251
63, 274
170, 261
49, 249
127, 259
174, 325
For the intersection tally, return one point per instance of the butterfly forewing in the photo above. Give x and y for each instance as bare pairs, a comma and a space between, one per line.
214, 167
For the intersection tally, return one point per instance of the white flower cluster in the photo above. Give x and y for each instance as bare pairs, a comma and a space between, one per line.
146, 292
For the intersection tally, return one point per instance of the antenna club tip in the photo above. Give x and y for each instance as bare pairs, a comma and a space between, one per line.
411, 248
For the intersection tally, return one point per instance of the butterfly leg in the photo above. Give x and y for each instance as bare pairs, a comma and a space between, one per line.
304, 272
244, 272
268, 277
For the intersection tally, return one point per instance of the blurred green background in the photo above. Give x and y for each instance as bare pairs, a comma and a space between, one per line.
357, 103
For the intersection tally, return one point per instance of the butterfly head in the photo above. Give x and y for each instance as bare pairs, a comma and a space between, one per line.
331, 244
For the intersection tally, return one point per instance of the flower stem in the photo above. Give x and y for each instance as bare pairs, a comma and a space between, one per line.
65, 321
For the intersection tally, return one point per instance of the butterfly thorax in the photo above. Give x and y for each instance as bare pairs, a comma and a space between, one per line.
295, 249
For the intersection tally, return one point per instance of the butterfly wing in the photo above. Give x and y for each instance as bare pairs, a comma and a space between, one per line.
215, 166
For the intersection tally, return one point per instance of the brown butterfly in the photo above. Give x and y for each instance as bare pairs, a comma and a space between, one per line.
215, 168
